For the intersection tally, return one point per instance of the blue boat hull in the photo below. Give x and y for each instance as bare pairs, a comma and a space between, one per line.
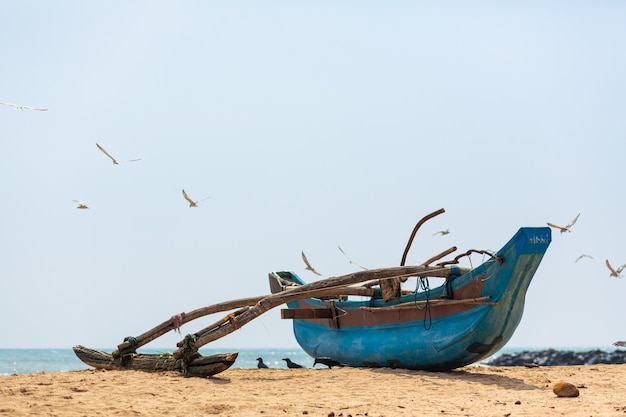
444, 334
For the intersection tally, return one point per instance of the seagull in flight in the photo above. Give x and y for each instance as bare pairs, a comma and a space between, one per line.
566, 228
620, 343
80, 205
350, 260
191, 202
584, 255
442, 232
308, 265
18, 107
615, 272
115, 161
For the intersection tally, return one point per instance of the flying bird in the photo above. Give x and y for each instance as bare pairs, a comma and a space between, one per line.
566, 228
620, 343
191, 202
350, 260
615, 272
442, 232
308, 265
115, 161
584, 255
291, 364
80, 205
18, 107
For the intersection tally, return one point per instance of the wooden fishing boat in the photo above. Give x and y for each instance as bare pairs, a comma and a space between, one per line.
469, 317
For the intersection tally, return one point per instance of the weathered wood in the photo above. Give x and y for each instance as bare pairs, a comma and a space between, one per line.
439, 256
333, 322
342, 291
201, 366
391, 288
306, 313
435, 301
170, 324
314, 289
415, 229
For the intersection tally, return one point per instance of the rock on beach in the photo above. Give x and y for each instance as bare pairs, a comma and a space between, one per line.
565, 389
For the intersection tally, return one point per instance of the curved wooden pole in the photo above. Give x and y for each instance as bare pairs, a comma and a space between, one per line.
441, 255
417, 226
170, 324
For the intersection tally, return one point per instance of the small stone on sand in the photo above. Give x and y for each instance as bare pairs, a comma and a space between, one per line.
565, 389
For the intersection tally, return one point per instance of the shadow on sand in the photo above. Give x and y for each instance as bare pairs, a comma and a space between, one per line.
474, 377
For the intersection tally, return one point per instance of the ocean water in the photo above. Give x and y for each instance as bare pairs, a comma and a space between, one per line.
29, 361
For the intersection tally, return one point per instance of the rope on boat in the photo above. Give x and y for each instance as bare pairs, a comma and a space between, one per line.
233, 321
177, 321
424, 284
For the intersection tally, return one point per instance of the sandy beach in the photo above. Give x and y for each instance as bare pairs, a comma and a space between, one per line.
469, 391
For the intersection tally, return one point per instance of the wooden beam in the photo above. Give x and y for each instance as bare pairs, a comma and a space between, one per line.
306, 313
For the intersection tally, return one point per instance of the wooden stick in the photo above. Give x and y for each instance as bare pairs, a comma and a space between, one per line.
417, 226
360, 291
169, 324
441, 255
436, 301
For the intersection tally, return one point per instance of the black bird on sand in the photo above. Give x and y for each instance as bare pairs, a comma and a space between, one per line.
260, 364
326, 361
291, 364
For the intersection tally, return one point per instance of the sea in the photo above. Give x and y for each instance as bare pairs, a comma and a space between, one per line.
30, 361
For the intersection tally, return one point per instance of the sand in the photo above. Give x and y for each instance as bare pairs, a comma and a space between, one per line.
469, 391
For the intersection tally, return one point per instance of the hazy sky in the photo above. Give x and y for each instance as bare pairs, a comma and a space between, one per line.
311, 124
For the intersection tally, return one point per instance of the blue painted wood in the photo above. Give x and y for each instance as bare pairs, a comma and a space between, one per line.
440, 337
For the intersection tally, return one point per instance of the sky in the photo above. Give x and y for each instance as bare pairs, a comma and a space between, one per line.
311, 125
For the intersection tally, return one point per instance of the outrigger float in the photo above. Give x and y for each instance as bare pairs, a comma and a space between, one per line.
467, 318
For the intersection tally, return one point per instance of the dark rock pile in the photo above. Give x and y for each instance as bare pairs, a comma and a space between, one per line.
551, 357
